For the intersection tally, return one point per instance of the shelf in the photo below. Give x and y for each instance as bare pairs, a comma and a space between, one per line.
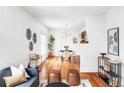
104, 69
109, 70
103, 76
112, 74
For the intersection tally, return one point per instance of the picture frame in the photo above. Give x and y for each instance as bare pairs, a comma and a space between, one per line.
75, 40
113, 41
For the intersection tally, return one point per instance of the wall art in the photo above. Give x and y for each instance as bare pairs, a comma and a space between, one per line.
75, 40
30, 46
28, 33
113, 41
34, 38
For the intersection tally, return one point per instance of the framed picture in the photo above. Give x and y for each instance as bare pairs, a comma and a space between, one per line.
75, 40
113, 41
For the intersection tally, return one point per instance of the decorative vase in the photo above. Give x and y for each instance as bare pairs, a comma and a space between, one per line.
66, 47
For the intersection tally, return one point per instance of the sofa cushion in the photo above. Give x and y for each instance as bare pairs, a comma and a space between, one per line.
20, 69
2, 82
32, 72
29, 83
23, 69
14, 80
32, 81
4, 73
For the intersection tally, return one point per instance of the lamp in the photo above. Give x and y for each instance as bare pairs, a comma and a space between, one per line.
66, 33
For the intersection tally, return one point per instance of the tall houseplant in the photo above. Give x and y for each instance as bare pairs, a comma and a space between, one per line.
51, 42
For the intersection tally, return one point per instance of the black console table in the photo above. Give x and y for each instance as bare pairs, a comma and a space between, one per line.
110, 71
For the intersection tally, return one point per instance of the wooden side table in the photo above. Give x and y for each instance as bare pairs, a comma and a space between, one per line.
54, 76
73, 77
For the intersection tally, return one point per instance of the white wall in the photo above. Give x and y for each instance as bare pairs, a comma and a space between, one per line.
61, 41
89, 52
13, 43
115, 18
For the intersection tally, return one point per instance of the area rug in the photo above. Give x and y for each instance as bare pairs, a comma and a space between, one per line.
84, 83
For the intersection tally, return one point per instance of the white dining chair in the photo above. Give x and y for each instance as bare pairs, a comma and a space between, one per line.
66, 56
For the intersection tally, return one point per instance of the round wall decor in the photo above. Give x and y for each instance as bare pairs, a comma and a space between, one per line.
28, 33
30, 46
34, 37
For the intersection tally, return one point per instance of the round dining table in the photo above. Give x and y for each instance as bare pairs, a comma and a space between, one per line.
62, 53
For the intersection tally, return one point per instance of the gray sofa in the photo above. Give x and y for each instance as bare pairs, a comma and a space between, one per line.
32, 81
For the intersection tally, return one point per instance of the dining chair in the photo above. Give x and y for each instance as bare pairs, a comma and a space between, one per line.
66, 56
73, 55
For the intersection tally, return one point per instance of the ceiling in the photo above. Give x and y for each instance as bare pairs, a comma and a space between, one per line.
56, 17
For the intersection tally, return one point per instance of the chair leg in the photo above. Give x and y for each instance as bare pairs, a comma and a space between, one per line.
62, 59
69, 60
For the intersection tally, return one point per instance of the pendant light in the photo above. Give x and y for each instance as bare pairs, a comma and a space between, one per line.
66, 33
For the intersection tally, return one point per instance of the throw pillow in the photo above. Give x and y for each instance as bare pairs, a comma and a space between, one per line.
23, 69
16, 71
14, 80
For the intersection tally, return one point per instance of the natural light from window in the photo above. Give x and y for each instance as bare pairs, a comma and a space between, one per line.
43, 44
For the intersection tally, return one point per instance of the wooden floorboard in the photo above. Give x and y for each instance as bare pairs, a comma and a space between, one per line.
64, 66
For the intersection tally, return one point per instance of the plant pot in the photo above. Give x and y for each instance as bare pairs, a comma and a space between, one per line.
51, 54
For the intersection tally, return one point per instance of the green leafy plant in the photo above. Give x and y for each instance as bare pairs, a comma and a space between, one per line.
51, 42
66, 47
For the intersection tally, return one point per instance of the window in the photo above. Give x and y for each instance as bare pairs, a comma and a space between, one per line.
43, 44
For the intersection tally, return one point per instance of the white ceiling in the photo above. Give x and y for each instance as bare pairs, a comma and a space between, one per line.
55, 17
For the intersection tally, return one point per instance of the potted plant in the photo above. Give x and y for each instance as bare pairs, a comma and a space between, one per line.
51, 41
66, 47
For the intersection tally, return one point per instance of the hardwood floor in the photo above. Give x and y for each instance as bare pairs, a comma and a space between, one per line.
94, 79
56, 63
